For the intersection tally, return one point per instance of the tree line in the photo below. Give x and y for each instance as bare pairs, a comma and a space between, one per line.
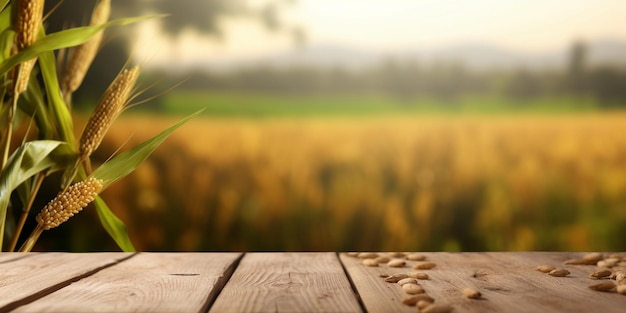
408, 79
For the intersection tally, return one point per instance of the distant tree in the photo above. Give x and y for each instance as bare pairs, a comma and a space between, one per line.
577, 67
524, 85
204, 16
608, 85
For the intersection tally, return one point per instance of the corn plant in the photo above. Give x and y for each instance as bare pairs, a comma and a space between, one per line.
38, 96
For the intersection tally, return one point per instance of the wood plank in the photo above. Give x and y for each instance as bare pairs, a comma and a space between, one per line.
6, 257
148, 282
509, 282
377, 296
288, 282
34, 276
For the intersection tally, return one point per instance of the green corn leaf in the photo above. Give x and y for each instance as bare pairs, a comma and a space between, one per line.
113, 225
5, 15
63, 39
32, 104
27, 161
57, 107
126, 162
119, 167
6, 35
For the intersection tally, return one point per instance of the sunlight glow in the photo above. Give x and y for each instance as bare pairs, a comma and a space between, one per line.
532, 26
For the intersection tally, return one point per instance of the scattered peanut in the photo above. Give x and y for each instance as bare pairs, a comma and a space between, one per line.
593, 256
367, 255
621, 289
589, 259
397, 255
382, 259
423, 304
600, 274
610, 262
603, 286
620, 276
416, 257
559, 273
424, 266
545, 268
419, 275
471, 293
579, 262
413, 289
370, 262
396, 263
407, 281
396, 278
413, 300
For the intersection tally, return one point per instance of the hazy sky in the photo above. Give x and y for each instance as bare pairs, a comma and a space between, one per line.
527, 25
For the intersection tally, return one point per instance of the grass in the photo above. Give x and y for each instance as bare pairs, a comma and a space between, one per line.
263, 105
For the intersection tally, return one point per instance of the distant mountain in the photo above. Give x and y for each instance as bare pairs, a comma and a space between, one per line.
322, 56
475, 56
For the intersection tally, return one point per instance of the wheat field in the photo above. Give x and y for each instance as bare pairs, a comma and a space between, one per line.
528, 182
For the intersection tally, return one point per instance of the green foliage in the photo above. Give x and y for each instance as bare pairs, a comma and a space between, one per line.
37, 133
113, 225
268, 105
27, 161
126, 162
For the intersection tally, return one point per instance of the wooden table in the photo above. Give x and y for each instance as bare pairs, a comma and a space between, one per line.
289, 282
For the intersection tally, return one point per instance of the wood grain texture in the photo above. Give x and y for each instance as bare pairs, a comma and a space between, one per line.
376, 294
509, 282
30, 277
148, 282
288, 282
6, 257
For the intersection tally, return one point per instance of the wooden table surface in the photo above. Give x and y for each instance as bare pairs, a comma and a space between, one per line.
292, 282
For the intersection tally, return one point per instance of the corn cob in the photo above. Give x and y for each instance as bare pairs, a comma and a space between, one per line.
109, 107
82, 56
68, 203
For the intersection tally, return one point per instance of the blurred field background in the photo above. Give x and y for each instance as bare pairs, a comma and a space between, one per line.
311, 150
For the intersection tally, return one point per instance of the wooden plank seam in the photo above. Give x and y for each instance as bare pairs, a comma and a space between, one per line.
219, 285
352, 284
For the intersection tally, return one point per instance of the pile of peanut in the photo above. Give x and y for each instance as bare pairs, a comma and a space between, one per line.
611, 270
409, 282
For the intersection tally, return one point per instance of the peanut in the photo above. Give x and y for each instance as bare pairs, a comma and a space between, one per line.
419, 275
407, 281
367, 255
413, 300
397, 255
396, 278
603, 286
382, 259
396, 263
471, 293
559, 273
600, 274
416, 257
370, 262
424, 266
413, 289
545, 268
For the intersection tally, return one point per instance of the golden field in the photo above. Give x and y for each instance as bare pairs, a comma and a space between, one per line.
528, 182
